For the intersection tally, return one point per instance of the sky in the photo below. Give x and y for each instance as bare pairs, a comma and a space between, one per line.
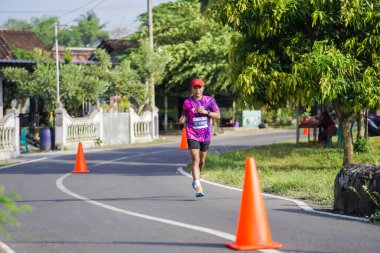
117, 14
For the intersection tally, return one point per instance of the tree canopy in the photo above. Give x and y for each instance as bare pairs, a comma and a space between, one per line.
306, 51
77, 82
137, 67
198, 46
87, 32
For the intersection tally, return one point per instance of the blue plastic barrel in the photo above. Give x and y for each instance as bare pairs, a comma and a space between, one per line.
45, 139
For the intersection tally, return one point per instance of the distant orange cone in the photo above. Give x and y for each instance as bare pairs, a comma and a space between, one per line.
80, 163
253, 230
183, 145
306, 131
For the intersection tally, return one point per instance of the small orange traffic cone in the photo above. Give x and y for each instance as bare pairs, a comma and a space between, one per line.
183, 145
306, 131
253, 230
80, 163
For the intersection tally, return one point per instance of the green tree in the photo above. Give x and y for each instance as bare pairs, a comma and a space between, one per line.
77, 82
127, 83
70, 36
90, 29
17, 24
43, 27
87, 32
305, 52
198, 46
142, 64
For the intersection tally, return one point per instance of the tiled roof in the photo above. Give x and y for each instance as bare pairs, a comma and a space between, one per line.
78, 54
5, 50
26, 40
117, 44
116, 47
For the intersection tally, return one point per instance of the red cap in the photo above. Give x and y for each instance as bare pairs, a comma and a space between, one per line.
197, 82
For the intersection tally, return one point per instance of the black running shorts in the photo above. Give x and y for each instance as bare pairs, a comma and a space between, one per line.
203, 146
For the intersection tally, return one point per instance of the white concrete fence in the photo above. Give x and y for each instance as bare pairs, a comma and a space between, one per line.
9, 134
105, 128
98, 129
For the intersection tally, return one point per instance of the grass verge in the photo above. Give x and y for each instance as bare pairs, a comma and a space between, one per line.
302, 172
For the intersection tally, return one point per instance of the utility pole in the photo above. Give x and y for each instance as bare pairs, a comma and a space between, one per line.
151, 79
57, 63
150, 23
150, 33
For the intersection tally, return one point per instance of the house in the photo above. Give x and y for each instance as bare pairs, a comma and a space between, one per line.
79, 55
28, 41
116, 48
9, 40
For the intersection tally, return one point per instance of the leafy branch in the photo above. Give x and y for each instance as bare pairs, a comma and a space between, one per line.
8, 207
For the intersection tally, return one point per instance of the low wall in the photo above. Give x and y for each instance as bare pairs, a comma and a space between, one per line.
105, 128
10, 134
116, 128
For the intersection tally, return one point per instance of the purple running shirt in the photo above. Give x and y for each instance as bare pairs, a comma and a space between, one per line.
198, 125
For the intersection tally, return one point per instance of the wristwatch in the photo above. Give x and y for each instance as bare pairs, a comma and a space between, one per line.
208, 113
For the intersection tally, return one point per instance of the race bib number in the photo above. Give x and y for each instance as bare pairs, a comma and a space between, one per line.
200, 122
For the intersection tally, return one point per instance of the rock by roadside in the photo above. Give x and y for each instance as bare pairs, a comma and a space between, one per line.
357, 189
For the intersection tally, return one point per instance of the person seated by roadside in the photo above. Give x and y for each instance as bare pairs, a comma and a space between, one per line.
326, 127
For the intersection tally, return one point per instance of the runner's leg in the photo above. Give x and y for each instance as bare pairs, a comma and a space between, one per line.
195, 163
202, 160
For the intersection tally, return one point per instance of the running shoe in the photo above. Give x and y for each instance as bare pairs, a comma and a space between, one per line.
199, 192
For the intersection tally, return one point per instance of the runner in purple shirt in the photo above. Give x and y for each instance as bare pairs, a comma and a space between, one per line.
196, 113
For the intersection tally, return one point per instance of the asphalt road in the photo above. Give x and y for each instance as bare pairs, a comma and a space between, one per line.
134, 200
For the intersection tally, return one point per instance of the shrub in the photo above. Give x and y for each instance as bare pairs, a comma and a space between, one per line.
361, 145
8, 208
374, 218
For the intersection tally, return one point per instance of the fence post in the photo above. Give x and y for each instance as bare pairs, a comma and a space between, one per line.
1, 98
98, 121
154, 123
132, 120
16, 135
60, 127
15, 138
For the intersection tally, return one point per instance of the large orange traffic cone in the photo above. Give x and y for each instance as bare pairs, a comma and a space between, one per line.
183, 145
80, 163
253, 230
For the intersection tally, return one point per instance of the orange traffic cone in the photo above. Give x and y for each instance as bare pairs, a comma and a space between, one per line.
306, 131
183, 145
80, 163
253, 230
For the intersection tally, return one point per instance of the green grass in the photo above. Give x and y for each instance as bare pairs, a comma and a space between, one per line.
302, 172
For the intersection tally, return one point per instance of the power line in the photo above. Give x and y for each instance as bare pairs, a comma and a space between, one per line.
80, 7
125, 14
97, 5
102, 1
105, 8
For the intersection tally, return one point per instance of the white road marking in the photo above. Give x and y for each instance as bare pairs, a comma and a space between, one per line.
299, 203
217, 233
230, 237
16, 164
3, 247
